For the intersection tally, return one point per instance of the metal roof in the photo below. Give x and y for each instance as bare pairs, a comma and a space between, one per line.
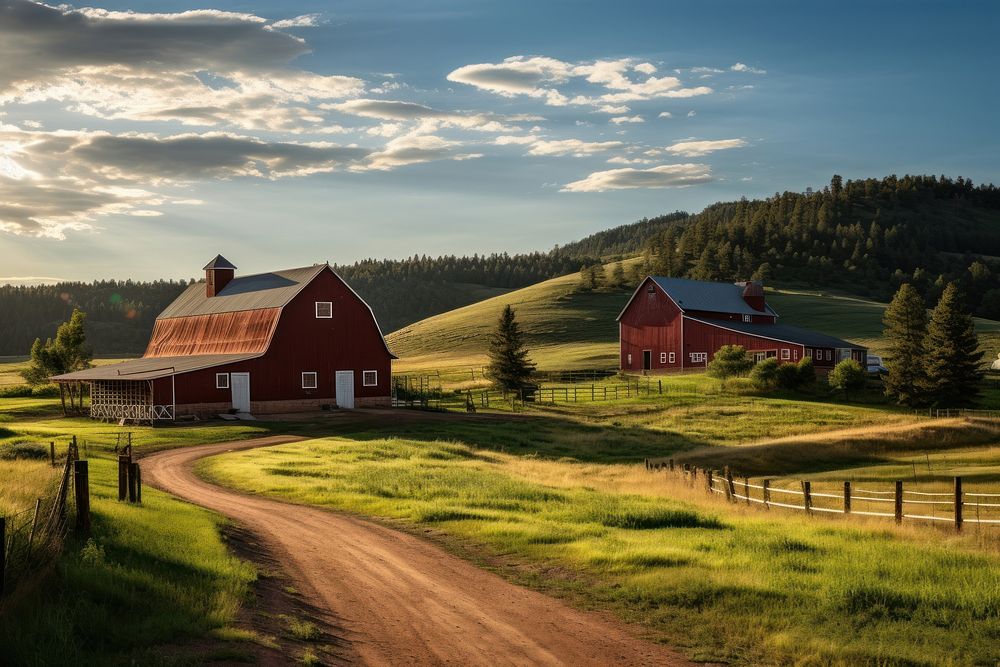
154, 367
709, 296
219, 262
261, 290
781, 332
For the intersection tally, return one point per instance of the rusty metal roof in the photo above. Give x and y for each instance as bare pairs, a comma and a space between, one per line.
153, 368
261, 290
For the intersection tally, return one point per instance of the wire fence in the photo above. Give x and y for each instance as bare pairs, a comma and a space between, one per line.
956, 506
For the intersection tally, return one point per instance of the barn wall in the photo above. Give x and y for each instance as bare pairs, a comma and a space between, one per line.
650, 322
707, 339
731, 317
301, 342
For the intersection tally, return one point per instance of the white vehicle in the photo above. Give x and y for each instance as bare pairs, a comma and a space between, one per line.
875, 364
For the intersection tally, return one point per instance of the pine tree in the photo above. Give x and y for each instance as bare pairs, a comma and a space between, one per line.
618, 275
509, 367
954, 371
905, 323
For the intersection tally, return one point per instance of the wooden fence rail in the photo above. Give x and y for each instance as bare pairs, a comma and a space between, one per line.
897, 504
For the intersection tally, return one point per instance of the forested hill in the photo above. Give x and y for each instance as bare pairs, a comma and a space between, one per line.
864, 237
121, 313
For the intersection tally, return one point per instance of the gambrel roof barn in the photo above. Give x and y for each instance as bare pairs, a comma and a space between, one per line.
283, 341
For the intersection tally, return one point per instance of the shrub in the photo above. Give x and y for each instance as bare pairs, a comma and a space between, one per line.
847, 376
807, 372
27, 391
788, 376
765, 374
24, 450
729, 361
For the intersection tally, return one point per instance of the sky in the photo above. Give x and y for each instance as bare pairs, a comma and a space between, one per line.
139, 139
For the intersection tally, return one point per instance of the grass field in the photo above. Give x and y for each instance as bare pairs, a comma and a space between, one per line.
723, 584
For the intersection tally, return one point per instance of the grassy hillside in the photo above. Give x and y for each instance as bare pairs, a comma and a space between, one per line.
567, 328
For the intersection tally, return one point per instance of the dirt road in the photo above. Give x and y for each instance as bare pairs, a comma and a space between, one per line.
403, 600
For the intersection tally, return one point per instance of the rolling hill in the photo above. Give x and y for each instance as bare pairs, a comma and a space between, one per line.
567, 328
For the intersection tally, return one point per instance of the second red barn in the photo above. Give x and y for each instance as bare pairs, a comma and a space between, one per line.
676, 323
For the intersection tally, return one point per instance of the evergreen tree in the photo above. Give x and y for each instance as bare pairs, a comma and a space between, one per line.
905, 323
954, 371
618, 275
509, 367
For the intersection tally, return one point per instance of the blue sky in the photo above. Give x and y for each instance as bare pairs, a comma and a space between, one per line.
138, 139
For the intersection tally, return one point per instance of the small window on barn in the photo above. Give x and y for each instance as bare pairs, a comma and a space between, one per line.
673, 357
795, 355
698, 357
663, 357
369, 378
630, 360
222, 380
786, 353
809, 352
324, 309
829, 355
748, 318
309, 380
650, 289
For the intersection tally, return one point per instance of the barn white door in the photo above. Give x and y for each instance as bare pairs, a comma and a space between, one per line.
345, 389
240, 386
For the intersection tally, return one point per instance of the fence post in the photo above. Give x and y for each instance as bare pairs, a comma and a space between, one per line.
708, 479
660, 382
52, 453
34, 523
958, 504
131, 482
767, 492
670, 462
847, 497
746, 489
81, 483
122, 477
807, 496
899, 501
730, 489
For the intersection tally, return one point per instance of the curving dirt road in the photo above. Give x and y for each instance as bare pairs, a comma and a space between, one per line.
402, 600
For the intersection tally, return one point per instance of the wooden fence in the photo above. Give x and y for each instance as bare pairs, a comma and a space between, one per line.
957, 506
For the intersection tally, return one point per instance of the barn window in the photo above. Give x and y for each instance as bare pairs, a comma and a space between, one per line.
324, 309
663, 357
829, 355
309, 380
697, 357
222, 380
369, 378
673, 357
630, 360
795, 355
786, 353
809, 352
748, 318
650, 289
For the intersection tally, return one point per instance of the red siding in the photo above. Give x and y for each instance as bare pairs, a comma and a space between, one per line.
350, 340
706, 338
731, 317
652, 321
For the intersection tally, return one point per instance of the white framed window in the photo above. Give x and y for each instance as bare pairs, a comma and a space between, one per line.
630, 359
809, 352
829, 355
795, 355
663, 357
698, 357
748, 318
650, 289
222, 380
309, 380
673, 358
759, 357
786, 353
369, 378
324, 309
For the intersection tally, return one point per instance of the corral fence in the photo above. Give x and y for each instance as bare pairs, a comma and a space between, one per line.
959, 412
31, 539
957, 506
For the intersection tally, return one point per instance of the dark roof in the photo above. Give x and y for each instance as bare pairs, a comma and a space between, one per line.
782, 332
154, 367
262, 290
708, 296
219, 262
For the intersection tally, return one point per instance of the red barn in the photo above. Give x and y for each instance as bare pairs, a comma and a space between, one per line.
676, 324
284, 341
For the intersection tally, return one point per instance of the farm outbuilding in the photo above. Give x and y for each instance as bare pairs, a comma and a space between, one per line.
676, 324
285, 341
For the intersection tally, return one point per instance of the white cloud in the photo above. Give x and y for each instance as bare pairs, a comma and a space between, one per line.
574, 147
619, 159
740, 67
618, 120
414, 149
396, 111
541, 77
663, 176
665, 114
692, 113
699, 148
304, 21
612, 109
515, 140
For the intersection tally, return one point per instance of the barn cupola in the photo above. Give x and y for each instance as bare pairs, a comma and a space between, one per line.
753, 294
218, 273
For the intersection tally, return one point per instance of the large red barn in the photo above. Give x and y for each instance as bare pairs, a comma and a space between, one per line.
676, 324
285, 341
